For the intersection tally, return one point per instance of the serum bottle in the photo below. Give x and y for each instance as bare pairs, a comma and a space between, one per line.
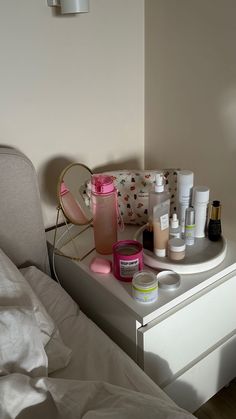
175, 229
214, 226
189, 226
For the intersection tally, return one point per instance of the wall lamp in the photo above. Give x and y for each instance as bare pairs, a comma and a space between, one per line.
70, 6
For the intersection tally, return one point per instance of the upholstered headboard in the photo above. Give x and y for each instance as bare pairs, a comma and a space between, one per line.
22, 233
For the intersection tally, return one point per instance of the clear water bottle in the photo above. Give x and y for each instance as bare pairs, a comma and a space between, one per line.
105, 213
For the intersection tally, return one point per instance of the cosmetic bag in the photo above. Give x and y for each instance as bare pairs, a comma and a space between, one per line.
133, 187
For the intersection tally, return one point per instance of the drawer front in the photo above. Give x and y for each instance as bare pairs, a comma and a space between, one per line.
206, 378
171, 345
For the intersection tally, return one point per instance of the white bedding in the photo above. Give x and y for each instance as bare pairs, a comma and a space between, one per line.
100, 381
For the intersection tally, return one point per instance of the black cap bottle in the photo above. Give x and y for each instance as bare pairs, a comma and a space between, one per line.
214, 225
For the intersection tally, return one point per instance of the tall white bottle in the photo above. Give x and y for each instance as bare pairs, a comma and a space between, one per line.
158, 195
184, 192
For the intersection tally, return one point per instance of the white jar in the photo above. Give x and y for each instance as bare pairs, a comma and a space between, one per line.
200, 204
176, 249
145, 287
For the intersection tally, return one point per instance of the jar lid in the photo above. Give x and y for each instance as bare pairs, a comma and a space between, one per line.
144, 280
201, 195
168, 280
176, 245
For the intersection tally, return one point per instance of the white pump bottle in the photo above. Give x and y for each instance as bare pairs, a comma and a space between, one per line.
157, 196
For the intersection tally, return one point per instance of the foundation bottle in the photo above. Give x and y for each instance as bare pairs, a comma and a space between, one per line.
214, 226
161, 227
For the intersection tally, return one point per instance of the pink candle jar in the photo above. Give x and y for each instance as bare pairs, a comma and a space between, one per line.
127, 259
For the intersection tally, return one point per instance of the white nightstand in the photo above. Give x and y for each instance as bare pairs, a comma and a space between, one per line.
186, 341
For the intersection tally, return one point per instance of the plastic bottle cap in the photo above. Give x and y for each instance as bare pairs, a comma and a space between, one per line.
102, 184
185, 177
176, 245
201, 195
159, 186
174, 222
168, 280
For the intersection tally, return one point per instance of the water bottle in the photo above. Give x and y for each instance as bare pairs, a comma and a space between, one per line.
104, 208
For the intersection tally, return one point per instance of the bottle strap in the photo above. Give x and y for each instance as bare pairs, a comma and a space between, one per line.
120, 221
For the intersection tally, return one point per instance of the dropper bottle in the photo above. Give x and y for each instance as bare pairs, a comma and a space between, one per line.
175, 228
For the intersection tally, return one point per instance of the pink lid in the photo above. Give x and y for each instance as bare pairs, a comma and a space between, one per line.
63, 189
102, 184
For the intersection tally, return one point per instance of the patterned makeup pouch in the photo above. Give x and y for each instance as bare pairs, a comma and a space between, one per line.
133, 188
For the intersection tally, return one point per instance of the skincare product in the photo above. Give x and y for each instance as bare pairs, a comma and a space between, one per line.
175, 229
184, 193
145, 287
105, 209
161, 227
200, 203
158, 195
214, 226
176, 249
127, 259
189, 226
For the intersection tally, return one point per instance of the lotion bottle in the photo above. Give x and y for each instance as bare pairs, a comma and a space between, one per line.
158, 195
161, 227
105, 213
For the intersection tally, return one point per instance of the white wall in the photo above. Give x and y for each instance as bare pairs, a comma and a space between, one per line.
191, 92
72, 87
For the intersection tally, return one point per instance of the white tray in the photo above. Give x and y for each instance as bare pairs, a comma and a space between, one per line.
200, 257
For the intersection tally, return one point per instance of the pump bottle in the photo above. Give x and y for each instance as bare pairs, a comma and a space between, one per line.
105, 210
156, 196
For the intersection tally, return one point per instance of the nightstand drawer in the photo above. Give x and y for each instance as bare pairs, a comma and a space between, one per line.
169, 346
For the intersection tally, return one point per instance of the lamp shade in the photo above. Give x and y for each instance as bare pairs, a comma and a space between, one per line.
74, 6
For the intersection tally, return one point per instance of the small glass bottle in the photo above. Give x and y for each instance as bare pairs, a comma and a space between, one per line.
214, 225
189, 226
175, 228
105, 210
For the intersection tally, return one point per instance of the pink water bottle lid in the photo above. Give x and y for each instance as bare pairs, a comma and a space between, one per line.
102, 184
63, 189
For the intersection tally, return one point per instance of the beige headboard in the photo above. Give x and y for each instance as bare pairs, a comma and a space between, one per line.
22, 234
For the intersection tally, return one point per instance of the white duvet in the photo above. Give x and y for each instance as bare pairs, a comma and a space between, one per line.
23, 397
31, 345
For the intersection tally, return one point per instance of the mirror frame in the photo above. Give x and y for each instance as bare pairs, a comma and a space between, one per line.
60, 180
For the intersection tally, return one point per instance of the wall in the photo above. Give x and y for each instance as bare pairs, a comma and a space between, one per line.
72, 87
191, 92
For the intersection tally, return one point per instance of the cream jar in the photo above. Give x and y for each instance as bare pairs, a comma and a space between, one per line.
145, 287
176, 249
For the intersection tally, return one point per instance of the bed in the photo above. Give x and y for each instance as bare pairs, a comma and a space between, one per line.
54, 360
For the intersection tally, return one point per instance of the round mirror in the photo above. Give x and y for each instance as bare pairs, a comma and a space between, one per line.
72, 193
